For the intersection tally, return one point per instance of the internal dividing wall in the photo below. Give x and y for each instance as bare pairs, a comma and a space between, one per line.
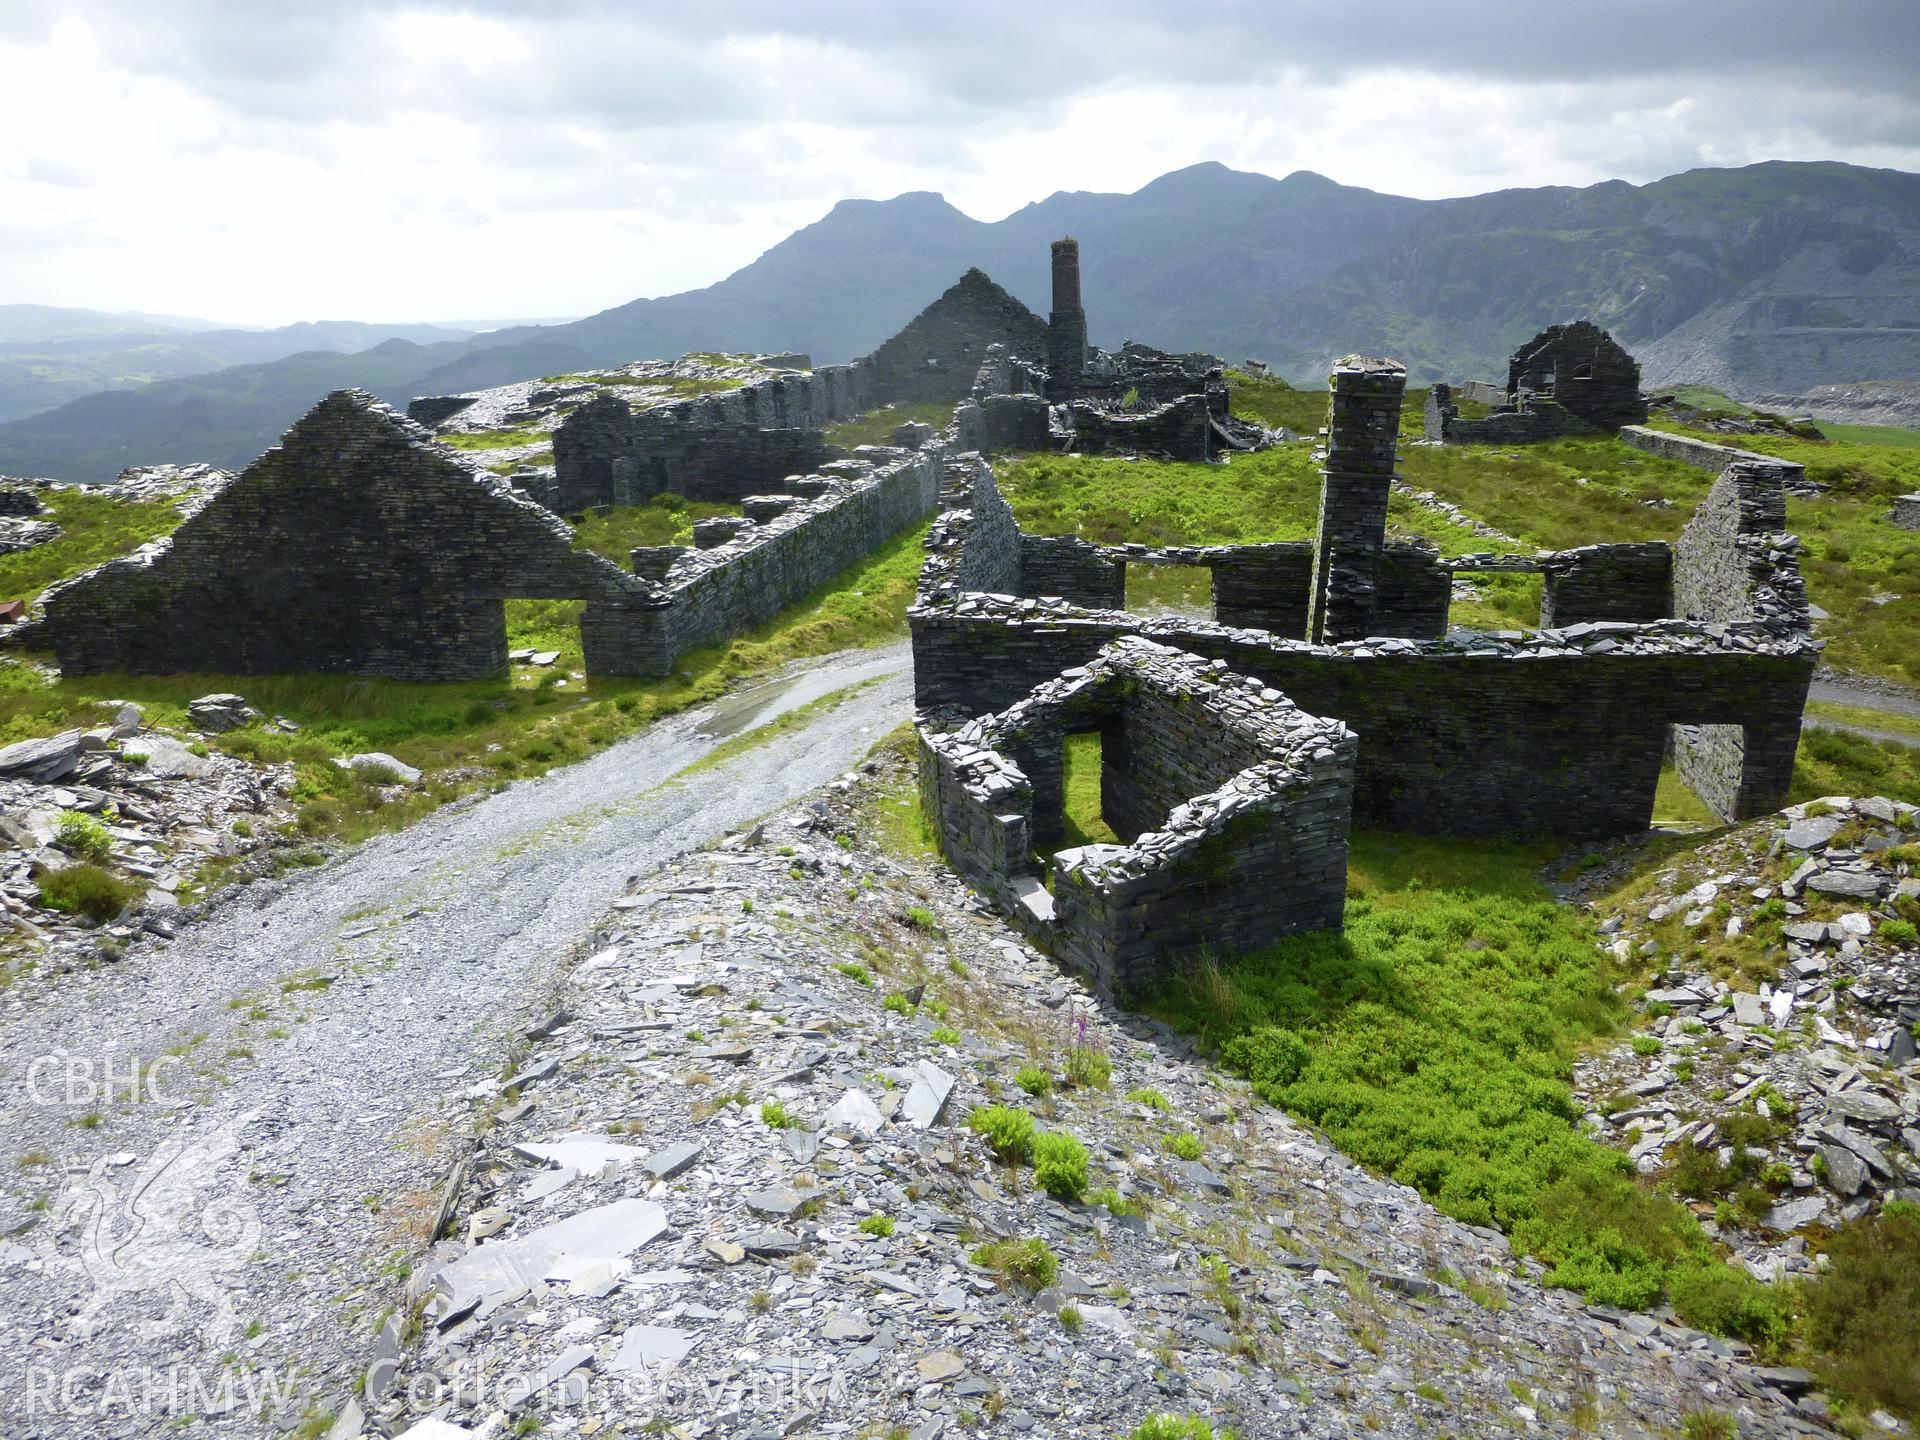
799, 541
1235, 804
718, 448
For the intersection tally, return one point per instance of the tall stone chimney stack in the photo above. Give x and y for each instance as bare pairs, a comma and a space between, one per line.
1067, 325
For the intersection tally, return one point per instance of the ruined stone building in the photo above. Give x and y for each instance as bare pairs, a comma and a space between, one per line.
1567, 380
360, 545
1702, 648
1232, 804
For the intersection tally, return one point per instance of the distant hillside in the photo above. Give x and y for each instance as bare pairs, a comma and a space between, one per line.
1776, 277
50, 355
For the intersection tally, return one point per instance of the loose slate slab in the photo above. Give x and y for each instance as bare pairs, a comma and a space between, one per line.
673, 1160
855, 1112
589, 1154
927, 1098
780, 1204
499, 1271
1813, 834
647, 1349
1857, 884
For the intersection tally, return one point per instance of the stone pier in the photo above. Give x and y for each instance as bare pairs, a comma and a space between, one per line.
1355, 483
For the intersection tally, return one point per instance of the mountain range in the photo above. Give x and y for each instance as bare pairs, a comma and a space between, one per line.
50, 355
1774, 277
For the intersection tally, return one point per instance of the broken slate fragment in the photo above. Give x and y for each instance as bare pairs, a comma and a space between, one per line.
650, 1348
927, 1098
666, 1163
781, 1204
855, 1112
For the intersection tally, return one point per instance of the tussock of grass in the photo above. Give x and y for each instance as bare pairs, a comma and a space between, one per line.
87, 889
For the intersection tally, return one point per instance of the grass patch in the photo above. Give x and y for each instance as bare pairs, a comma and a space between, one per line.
1434, 1040
1833, 762
494, 439
664, 520
483, 731
877, 426
1891, 721
1085, 824
1030, 1264
97, 529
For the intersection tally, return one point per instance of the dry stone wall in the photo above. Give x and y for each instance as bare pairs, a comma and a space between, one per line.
831, 522
1236, 805
1706, 455
1607, 582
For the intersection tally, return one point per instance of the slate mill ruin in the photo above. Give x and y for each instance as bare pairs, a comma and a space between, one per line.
1326, 689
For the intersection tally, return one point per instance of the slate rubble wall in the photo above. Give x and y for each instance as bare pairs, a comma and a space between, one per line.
1734, 565
1560, 731
1705, 455
713, 594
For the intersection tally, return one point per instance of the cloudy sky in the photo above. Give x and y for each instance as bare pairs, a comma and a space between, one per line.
259, 163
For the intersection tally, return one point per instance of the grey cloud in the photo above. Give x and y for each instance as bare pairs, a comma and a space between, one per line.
627, 65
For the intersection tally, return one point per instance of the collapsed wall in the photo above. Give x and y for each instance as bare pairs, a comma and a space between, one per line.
1233, 802
1569, 379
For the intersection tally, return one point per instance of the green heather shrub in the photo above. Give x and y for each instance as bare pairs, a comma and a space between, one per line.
1863, 1313
1715, 1296
1183, 1144
1033, 1080
1179, 1427
86, 889
84, 835
1030, 1264
1060, 1165
1008, 1131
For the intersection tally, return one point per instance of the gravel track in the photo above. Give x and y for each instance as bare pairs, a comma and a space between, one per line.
305, 1050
